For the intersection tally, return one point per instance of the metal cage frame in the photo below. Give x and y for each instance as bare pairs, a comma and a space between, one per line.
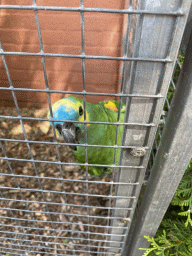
120, 237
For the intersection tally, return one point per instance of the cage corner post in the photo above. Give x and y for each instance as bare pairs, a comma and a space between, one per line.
146, 82
175, 143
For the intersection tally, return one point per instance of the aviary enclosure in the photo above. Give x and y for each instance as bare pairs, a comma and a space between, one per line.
96, 50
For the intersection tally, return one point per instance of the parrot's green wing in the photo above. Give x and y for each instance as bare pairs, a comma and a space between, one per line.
100, 134
112, 108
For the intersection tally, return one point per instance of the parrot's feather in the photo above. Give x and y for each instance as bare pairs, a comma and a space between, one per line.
71, 109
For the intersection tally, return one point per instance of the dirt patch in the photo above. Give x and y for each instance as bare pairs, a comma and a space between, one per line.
47, 208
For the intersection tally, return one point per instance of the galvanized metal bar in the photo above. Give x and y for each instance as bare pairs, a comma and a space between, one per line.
143, 77
83, 93
127, 52
61, 213
187, 32
85, 118
47, 236
172, 158
83, 9
56, 222
81, 56
83, 122
70, 180
63, 163
51, 114
74, 205
123, 64
172, 82
27, 240
67, 193
59, 230
60, 143
47, 247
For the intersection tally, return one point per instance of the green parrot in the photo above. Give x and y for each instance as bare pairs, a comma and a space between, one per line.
72, 109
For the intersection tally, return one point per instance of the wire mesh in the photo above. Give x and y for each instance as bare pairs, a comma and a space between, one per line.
46, 208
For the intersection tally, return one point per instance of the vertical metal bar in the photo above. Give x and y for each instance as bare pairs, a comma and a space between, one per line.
170, 163
85, 125
187, 32
51, 113
152, 78
117, 127
122, 84
46, 81
128, 40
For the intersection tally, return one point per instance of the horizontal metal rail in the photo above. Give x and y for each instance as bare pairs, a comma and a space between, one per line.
64, 192
53, 243
64, 144
52, 248
60, 230
74, 205
157, 96
70, 180
74, 164
83, 9
59, 237
64, 213
58, 222
43, 54
82, 122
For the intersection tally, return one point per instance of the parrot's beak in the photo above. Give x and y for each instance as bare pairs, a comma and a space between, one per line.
69, 132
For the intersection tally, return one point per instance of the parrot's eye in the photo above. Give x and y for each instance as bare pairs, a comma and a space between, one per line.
80, 111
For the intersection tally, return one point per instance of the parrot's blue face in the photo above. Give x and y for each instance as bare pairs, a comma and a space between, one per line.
68, 109
63, 112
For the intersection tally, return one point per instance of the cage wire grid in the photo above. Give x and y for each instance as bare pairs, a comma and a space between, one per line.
74, 237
